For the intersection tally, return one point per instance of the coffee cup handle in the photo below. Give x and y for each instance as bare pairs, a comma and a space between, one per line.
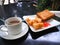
4, 30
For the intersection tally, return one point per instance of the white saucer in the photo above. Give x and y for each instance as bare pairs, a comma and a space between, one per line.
12, 37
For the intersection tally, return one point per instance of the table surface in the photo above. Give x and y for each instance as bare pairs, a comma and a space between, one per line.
48, 39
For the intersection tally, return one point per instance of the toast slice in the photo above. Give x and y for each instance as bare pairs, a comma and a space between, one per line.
44, 15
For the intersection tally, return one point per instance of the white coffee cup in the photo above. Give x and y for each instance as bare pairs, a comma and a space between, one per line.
14, 25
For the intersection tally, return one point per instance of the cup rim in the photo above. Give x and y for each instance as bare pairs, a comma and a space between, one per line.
18, 18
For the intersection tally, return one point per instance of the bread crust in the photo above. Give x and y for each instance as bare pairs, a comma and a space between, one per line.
45, 15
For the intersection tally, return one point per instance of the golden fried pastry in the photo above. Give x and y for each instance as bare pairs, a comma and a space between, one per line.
29, 21
34, 21
37, 25
38, 19
44, 15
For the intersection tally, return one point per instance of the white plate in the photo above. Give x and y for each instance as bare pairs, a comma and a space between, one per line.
12, 37
57, 13
51, 21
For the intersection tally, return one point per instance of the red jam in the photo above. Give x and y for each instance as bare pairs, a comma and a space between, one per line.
46, 24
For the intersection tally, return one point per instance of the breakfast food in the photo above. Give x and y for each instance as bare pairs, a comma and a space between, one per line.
29, 21
37, 25
35, 20
39, 21
44, 15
